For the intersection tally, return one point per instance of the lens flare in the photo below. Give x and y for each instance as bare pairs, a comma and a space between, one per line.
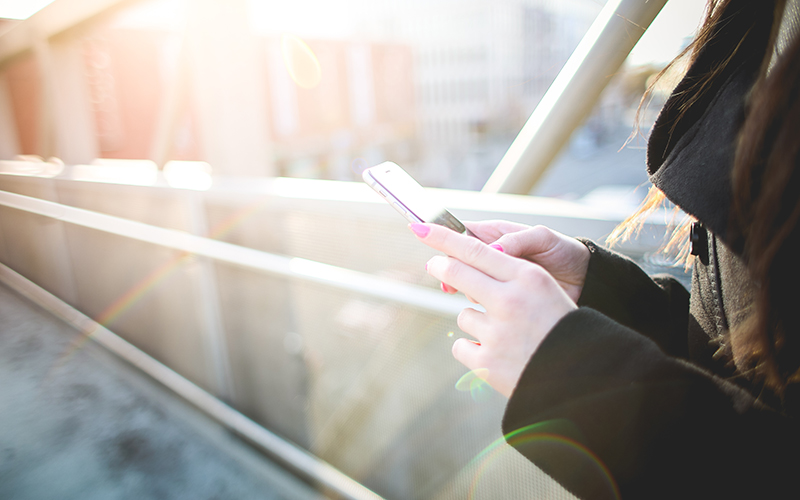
134, 294
358, 166
301, 62
474, 382
557, 441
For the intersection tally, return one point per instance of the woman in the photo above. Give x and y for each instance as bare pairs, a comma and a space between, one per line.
664, 394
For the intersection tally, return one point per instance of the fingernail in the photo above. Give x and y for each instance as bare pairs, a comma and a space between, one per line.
497, 247
421, 230
443, 287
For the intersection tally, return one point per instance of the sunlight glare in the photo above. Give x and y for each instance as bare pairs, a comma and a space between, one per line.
194, 175
300, 61
671, 30
32, 166
21, 9
133, 172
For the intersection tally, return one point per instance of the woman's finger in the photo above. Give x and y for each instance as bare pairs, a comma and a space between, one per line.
473, 323
480, 288
528, 242
467, 353
468, 250
450, 290
489, 231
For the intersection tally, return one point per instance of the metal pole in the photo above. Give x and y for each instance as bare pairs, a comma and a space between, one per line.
289, 454
291, 267
573, 94
216, 341
9, 139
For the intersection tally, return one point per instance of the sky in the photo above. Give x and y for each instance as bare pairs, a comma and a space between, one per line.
669, 33
21, 9
675, 25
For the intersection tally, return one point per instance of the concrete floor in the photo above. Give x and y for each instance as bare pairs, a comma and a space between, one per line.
82, 424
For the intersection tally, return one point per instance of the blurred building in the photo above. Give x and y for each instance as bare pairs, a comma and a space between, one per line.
363, 99
440, 87
481, 68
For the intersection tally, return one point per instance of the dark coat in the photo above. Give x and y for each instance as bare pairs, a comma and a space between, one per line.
636, 393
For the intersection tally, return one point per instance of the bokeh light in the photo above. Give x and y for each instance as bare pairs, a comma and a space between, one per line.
474, 382
301, 62
551, 443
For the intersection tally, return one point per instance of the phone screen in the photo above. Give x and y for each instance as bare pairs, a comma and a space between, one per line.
408, 197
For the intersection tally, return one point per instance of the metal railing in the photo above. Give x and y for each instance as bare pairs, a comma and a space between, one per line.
573, 94
299, 460
351, 202
290, 267
563, 108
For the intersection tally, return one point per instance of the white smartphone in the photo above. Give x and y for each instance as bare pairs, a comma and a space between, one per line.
408, 197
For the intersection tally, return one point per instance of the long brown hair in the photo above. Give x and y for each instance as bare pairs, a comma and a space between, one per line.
765, 214
766, 218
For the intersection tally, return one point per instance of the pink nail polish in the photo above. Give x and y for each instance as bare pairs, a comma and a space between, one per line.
443, 287
497, 247
421, 230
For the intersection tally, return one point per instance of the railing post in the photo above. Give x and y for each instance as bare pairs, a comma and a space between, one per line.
214, 337
9, 139
228, 89
573, 94
66, 128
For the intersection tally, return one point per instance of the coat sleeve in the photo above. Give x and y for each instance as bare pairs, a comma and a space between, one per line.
657, 307
608, 408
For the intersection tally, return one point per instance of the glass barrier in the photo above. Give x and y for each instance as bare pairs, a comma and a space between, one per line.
320, 90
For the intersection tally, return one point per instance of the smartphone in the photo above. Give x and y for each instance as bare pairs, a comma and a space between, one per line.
408, 197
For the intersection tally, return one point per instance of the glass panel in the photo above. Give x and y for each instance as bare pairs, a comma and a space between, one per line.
604, 163
441, 87
321, 90
604, 156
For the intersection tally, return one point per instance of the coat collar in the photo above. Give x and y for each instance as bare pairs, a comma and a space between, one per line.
690, 155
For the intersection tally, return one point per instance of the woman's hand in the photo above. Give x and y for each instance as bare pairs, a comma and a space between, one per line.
565, 258
522, 300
